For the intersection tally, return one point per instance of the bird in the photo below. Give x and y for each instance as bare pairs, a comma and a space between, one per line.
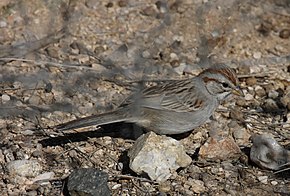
171, 106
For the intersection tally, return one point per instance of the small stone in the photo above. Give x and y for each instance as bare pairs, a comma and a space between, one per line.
122, 3
146, 54
273, 94
274, 182
37, 153
197, 186
257, 55
236, 114
5, 98
284, 34
164, 187
244, 70
241, 102
173, 56
53, 52
180, 68
263, 179
27, 168
268, 87
28, 132
248, 97
34, 100
251, 81
116, 186
260, 91
223, 149
3, 24
158, 156
88, 181
270, 105
150, 11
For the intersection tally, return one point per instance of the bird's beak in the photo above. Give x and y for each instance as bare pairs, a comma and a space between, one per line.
238, 91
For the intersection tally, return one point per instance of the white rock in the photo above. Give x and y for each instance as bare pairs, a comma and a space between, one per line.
5, 97
274, 183
3, 24
180, 69
173, 56
267, 153
257, 55
249, 97
158, 156
27, 168
263, 179
273, 94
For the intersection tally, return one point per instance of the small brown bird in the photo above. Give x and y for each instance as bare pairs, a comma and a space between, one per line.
173, 106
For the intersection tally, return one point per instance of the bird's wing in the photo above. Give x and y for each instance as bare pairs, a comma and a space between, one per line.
173, 95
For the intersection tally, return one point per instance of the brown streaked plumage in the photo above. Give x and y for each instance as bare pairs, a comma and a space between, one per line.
170, 107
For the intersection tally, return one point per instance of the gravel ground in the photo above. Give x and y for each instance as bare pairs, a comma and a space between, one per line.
61, 60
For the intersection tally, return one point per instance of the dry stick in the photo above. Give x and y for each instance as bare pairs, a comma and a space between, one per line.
60, 65
282, 170
132, 177
138, 187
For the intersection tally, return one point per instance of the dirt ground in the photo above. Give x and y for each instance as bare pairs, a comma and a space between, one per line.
62, 60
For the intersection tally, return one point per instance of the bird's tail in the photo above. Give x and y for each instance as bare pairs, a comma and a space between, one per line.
119, 115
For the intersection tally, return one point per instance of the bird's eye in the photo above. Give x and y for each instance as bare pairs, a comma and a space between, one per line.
225, 85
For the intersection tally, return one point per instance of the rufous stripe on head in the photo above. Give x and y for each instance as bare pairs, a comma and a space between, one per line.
224, 70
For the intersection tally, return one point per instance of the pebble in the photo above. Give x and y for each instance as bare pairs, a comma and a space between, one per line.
260, 91
223, 149
251, 81
88, 181
28, 132
268, 87
116, 186
244, 70
241, 102
270, 105
197, 186
3, 24
146, 54
34, 100
284, 33
248, 97
263, 179
27, 168
164, 187
273, 94
257, 55
173, 57
180, 69
237, 114
274, 183
5, 98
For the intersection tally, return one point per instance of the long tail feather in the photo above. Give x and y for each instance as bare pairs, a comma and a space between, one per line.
119, 115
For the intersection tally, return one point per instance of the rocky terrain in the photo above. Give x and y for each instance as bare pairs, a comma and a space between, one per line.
61, 60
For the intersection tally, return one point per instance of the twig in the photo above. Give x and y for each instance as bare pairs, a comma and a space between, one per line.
76, 66
131, 177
